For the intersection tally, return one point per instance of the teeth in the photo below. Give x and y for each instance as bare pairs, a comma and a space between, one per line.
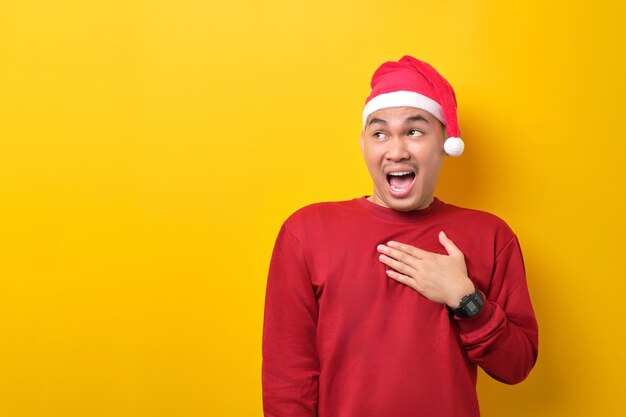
399, 174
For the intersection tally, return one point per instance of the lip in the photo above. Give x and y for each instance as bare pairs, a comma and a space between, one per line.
391, 169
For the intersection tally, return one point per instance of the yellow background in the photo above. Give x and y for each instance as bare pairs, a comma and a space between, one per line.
151, 149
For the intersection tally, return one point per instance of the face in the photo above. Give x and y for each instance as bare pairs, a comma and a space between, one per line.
403, 151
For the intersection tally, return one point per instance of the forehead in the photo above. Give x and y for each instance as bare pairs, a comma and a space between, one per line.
400, 114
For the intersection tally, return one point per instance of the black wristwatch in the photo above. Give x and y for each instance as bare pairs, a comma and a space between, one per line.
470, 306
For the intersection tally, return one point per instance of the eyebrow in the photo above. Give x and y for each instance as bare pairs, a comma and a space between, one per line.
376, 120
415, 118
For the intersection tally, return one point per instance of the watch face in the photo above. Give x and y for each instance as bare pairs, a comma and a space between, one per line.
472, 308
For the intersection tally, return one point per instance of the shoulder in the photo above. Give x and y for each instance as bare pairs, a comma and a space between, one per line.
316, 216
322, 210
481, 222
473, 215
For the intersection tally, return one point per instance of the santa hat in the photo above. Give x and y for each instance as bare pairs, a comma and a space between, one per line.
414, 83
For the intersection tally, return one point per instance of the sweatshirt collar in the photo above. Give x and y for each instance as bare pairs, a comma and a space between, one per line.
395, 216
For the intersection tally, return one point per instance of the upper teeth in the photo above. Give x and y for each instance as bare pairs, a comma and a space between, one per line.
400, 173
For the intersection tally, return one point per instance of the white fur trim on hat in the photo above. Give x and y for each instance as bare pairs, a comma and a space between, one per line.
403, 99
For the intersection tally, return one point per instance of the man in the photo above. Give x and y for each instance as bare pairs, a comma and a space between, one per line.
384, 306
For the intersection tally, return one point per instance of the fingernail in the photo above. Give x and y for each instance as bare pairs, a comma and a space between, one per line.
380, 248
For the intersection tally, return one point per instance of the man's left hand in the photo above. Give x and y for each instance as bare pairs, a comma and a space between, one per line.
440, 278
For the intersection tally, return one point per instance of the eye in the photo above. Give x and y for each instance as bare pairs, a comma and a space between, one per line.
415, 133
379, 135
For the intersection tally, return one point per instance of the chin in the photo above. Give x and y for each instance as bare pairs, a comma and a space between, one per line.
405, 207
406, 204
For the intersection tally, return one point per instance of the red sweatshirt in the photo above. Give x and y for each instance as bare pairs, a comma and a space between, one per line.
341, 339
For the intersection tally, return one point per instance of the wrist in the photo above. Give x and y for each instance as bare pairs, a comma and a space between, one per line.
469, 307
463, 290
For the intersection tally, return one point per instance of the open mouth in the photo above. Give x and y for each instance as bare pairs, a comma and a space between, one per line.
400, 182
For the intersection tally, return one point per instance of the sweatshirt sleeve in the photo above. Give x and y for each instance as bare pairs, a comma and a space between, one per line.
503, 338
290, 359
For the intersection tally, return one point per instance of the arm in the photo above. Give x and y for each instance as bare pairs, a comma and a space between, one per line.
290, 360
502, 338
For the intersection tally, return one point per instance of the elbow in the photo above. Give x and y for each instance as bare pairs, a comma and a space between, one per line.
511, 379
516, 374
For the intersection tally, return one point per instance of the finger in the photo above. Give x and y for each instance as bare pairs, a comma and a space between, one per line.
401, 267
411, 250
448, 244
401, 278
400, 256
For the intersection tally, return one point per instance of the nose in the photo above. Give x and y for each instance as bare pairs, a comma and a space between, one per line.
397, 150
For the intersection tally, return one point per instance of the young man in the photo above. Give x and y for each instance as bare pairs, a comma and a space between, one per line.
384, 306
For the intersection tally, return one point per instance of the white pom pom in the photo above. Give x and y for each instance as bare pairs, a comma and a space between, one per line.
453, 146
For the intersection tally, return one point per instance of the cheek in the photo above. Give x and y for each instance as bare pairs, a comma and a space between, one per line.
372, 166
435, 147
372, 160
430, 161
374, 169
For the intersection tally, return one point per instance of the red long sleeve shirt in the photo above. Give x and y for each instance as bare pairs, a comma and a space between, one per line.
341, 339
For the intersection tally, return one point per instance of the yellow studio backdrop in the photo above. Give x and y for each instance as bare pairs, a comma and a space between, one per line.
150, 151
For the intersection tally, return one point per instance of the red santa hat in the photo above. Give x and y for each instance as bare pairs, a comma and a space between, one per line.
414, 83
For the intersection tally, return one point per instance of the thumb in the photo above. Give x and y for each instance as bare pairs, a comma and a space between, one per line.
449, 245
